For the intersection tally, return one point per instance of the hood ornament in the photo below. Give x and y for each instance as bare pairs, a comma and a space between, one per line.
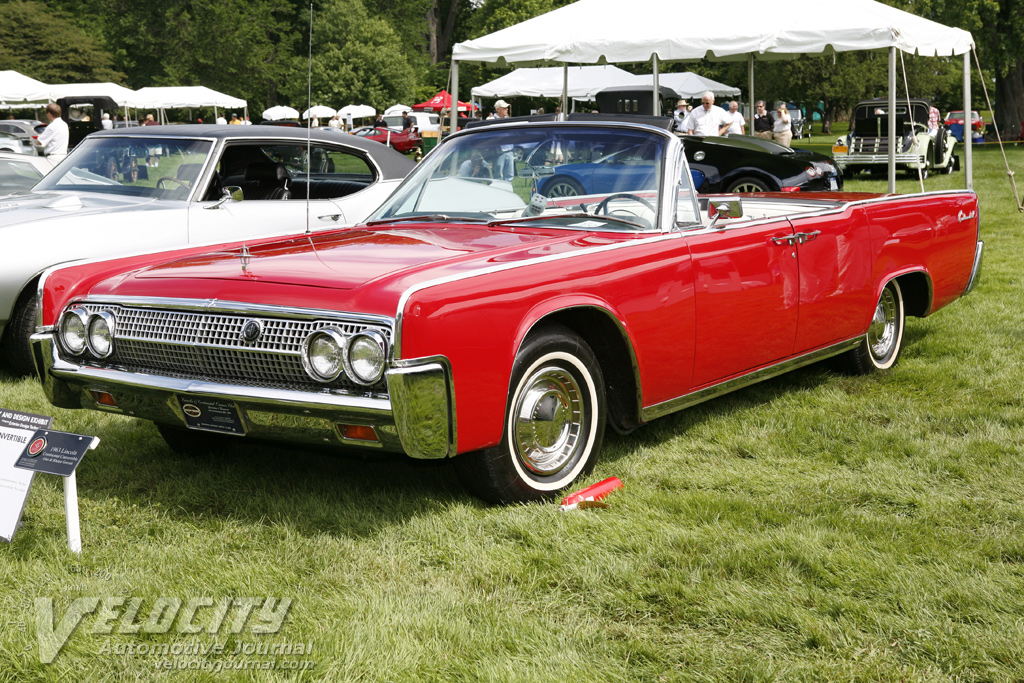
244, 256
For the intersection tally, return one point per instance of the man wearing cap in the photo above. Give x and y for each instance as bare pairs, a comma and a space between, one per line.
505, 167
500, 110
706, 119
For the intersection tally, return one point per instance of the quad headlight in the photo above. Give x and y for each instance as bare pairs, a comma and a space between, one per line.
72, 330
323, 354
366, 357
100, 334
328, 352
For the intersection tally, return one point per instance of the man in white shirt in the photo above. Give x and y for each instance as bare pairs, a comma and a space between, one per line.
679, 115
735, 118
706, 119
55, 138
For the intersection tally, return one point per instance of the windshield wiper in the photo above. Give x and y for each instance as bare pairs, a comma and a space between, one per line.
527, 219
425, 218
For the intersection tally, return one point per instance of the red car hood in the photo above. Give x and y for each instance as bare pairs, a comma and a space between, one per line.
365, 262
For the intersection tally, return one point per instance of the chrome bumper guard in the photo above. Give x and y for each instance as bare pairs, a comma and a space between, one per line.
842, 161
418, 419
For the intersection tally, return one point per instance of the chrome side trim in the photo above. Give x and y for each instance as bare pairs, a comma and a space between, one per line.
975, 269
692, 399
423, 400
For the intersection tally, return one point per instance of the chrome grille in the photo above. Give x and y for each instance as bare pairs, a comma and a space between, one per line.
209, 346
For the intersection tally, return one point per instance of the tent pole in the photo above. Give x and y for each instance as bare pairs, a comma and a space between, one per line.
750, 93
565, 89
657, 90
892, 120
968, 137
453, 99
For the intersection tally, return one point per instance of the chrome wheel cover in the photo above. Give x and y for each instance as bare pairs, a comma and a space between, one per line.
548, 415
562, 189
882, 332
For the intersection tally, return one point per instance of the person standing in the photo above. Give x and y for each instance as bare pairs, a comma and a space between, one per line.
782, 128
407, 122
150, 121
506, 164
221, 121
106, 122
706, 119
679, 115
55, 138
735, 118
379, 122
762, 122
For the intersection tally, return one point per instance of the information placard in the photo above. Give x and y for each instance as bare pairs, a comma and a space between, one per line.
16, 429
53, 452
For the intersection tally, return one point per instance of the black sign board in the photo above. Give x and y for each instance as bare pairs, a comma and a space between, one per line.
53, 452
211, 415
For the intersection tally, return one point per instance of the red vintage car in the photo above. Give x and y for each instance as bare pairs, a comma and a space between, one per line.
469, 319
397, 140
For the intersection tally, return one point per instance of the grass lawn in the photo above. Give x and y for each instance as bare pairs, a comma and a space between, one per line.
816, 527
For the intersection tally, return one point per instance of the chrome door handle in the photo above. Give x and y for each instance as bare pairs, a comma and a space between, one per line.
787, 240
802, 237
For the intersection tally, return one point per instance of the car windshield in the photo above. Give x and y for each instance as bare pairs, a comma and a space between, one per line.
134, 166
556, 175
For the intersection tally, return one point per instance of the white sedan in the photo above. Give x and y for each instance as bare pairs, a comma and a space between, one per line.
22, 171
152, 188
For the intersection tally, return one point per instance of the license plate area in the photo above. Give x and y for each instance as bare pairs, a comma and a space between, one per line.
211, 415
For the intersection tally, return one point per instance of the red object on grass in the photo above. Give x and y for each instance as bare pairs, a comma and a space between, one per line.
592, 493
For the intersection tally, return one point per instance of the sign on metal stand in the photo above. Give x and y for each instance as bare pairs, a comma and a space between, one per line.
16, 430
59, 453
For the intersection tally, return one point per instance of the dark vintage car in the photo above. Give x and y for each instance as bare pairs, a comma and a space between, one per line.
475, 319
734, 163
919, 150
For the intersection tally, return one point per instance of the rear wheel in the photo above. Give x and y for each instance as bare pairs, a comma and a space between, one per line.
881, 346
554, 423
751, 185
563, 187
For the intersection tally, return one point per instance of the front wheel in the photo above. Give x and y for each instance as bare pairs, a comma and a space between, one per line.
554, 423
880, 348
17, 349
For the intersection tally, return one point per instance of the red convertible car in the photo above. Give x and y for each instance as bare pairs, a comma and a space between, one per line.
473, 320
395, 139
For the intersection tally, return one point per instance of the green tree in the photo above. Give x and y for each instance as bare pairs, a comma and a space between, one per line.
357, 59
38, 42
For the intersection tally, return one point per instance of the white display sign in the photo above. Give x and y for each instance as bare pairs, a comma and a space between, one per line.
16, 428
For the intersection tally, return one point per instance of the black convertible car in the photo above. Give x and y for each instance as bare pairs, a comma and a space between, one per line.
743, 163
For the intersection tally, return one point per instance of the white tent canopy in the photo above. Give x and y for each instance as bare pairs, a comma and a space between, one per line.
688, 84
356, 111
584, 81
182, 97
123, 96
662, 30
686, 31
396, 109
16, 87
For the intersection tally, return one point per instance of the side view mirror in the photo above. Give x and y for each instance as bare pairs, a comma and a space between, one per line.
230, 193
730, 207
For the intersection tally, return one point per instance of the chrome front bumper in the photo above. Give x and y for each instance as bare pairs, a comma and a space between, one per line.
417, 419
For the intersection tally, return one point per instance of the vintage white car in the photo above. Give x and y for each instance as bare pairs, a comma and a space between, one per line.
150, 188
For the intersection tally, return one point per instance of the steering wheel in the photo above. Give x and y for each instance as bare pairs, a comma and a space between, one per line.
603, 206
160, 183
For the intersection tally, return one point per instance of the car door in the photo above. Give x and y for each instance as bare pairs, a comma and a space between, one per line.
746, 288
342, 194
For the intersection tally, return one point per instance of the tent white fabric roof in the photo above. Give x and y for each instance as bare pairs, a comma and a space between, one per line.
584, 81
16, 87
608, 31
688, 84
357, 111
123, 96
181, 97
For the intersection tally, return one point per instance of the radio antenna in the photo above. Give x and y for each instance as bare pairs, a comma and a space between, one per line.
309, 105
